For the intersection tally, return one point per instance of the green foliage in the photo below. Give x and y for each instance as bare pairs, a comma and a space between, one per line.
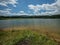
24, 37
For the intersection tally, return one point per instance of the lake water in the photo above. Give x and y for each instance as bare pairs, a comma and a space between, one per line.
31, 23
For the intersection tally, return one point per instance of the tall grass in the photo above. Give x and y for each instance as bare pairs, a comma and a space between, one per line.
26, 37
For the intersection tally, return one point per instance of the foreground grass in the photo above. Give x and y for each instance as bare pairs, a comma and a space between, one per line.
24, 37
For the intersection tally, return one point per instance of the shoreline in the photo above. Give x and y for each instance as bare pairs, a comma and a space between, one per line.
52, 35
26, 18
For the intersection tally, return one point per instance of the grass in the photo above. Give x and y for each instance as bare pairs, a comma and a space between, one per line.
24, 37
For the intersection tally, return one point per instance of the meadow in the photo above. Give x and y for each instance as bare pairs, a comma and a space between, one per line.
25, 37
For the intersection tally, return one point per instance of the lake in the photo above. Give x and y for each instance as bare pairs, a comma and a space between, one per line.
42, 24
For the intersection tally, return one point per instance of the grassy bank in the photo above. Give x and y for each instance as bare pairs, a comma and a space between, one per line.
26, 37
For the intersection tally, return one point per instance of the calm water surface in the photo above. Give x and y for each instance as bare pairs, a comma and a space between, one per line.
53, 23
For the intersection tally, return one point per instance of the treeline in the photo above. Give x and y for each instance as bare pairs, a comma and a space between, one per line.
25, 16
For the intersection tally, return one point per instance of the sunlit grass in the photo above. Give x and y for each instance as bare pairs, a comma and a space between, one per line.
26, 37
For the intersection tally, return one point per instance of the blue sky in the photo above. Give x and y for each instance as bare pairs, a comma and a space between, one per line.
29, 7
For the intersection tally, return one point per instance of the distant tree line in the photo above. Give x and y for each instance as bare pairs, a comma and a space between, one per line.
25, 16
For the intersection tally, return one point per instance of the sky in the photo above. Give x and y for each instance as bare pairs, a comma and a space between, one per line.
29, 7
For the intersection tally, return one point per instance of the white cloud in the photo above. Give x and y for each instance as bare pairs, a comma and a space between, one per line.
5, 12
19, 13
34, 8
37, 8
51, 13
53, 8
58, 2
5, 2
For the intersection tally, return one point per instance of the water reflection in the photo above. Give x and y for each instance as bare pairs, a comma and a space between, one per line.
53, 23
